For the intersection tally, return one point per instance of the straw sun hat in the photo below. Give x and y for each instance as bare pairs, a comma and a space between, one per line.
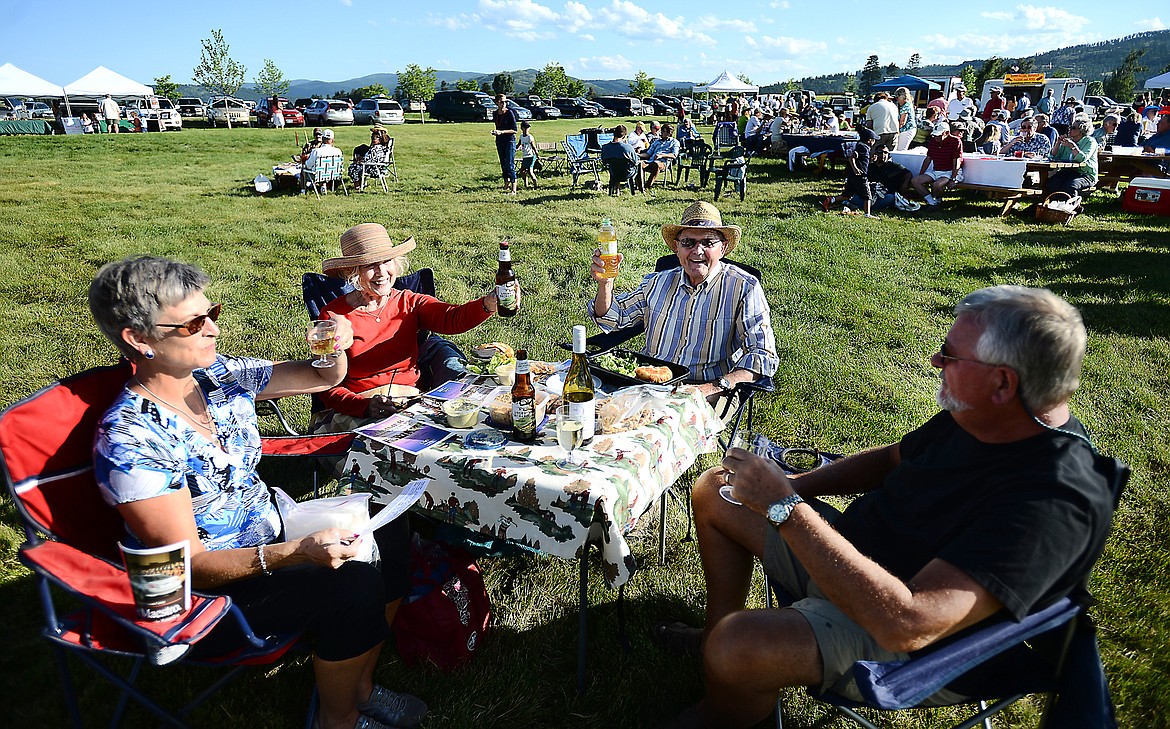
702, 215
364, 244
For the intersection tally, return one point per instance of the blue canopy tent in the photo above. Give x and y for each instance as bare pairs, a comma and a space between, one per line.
911, 82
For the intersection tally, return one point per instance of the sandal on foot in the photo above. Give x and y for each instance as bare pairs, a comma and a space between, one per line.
678, 638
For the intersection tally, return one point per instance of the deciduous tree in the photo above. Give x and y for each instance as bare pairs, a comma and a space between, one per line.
417, 84
503, 83
270, 81
968, 76
1121, 82
992, 69
575, 87
164, 87
550, 81
642, 85
217, 71
468, 84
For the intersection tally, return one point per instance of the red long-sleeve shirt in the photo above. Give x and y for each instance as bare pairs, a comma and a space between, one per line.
386, 351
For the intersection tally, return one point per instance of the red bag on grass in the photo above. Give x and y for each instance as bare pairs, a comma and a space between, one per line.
446, 615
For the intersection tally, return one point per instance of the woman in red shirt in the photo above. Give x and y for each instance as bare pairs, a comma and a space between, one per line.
386, 322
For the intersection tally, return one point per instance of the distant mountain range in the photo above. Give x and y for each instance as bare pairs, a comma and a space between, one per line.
1091, 62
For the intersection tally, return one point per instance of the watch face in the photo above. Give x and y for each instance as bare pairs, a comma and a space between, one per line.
779, 512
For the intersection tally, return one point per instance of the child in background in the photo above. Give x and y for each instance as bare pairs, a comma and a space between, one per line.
856, 181
527, 146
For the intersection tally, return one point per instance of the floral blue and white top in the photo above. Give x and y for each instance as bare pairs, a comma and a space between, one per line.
143, 450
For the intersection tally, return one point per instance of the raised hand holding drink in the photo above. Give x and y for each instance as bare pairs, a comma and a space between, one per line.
607, 242
507, 286
322, 337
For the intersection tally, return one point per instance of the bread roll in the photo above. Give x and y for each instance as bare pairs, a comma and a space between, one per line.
654, 374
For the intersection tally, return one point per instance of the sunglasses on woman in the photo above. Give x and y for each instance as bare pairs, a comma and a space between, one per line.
196, 324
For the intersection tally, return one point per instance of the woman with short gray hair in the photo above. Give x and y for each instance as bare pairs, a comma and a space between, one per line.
1079, 147
176, 456
1107, 131
907, 124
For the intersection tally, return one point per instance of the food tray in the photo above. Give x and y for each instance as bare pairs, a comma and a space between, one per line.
616, 378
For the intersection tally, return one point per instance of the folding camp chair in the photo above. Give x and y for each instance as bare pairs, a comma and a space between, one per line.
725, 135
579, 161
996, 663
71, 535
695, 155
552, 156
379, 170
327, 171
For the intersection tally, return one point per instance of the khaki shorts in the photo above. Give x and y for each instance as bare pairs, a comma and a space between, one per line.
840, 641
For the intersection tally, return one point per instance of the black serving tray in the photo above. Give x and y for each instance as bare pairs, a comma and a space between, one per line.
616, 378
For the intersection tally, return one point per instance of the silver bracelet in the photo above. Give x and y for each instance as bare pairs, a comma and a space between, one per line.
263, 562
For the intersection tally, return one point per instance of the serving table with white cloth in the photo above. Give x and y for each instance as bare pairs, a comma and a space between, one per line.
1004, 178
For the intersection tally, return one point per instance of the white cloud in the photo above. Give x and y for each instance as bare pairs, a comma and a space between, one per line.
710, 22
576, 16
347, 3
1151, 24
1040, 19
779, 4
791, 47
633, 21
600, 64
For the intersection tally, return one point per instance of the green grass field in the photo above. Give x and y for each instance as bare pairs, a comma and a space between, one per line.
858, 307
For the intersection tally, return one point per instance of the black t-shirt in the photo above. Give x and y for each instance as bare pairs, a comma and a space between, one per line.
891, 174
859, 151
1026, 520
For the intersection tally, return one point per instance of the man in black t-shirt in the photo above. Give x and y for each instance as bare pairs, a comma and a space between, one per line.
993, 508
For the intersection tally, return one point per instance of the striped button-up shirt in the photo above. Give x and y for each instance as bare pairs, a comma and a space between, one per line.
720, 325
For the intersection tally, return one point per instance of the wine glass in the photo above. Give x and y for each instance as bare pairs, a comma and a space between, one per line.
321, 338
570, 433
752, 443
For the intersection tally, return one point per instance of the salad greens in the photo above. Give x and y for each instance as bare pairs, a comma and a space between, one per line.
617, 363
489, 368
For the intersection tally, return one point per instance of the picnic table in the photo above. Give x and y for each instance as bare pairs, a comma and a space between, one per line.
1122, 164
1003, 178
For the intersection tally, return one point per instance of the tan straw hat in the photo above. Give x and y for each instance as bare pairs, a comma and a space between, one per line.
364, 244
706, 216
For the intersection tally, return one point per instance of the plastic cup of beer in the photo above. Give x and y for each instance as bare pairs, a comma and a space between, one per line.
321, 336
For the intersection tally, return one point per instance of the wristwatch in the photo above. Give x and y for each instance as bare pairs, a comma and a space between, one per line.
724, 384
779, 511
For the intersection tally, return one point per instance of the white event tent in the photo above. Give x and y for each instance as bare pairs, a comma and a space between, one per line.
725, 83
17, 82
1159, 82
102, 81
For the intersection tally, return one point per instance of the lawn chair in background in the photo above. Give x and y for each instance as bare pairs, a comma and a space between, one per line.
379, 170
994, 662
579, 161
732, 171
551, 156
71, 545
694, 155
725, 136
623, 171
328, 171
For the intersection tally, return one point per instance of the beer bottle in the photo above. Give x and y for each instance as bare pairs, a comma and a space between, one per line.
507, 287
578, 392
523, 401
607, 242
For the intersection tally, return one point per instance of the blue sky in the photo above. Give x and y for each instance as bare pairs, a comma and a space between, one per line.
683, 40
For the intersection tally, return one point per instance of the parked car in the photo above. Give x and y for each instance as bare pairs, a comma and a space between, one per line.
519, 111
38, 110
191, 106
601, 110
538, 108
655, 107
461, 106
621, 105
251, 105
328, 111
378, 110
292, 115
303, 103
160, 110
574, 107
1101, 105
220, 110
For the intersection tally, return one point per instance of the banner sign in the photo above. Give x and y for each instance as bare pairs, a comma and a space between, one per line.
1023, 79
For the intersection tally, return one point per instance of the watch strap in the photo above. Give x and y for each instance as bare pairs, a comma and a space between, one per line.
779, 511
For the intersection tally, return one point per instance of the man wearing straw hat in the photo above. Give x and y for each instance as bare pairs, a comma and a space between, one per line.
706, 315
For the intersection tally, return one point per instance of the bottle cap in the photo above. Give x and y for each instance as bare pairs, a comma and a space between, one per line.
579, 339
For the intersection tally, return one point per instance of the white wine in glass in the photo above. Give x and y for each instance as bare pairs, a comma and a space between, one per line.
570, 434
321, 338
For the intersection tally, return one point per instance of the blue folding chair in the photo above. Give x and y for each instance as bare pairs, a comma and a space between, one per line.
579, 161
996, 663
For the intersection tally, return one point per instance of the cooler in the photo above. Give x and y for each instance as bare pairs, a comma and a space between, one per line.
1149, 195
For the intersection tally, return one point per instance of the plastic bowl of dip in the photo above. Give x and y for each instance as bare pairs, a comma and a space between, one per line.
461, 413
506, 374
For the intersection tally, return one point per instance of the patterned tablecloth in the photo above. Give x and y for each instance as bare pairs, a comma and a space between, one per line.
518, 493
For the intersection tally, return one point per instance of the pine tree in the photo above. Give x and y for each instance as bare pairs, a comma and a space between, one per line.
871, 73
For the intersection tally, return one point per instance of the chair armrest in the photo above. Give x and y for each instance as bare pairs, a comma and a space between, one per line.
904, 684
323, 444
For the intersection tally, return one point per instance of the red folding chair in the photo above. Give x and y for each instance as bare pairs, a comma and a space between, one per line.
46, 453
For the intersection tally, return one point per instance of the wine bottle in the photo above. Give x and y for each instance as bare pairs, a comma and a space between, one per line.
523, 401
607, 242
507, 287
578, 392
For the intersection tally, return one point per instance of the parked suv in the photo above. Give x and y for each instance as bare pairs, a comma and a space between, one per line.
328, 111
292, 115
461, 106
191, 106
378, 110
539, 109
223, 108
160, 110
575, 108
622, 105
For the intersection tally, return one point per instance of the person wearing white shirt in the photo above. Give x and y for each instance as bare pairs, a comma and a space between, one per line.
882, 118
959, 104
320, 153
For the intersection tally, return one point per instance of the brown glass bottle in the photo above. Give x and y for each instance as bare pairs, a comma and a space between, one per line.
507, 287
523, 401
